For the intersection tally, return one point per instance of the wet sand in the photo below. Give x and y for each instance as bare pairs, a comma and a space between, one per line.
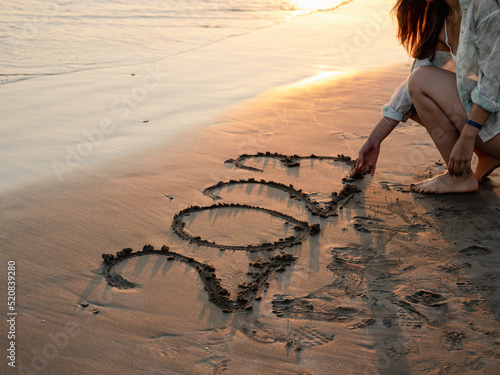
267, 266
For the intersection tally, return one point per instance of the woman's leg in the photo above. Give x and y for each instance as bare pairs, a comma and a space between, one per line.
486, 164
440, 111
435, 96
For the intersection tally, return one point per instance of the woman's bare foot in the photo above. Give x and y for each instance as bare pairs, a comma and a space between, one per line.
485, 165
445, 183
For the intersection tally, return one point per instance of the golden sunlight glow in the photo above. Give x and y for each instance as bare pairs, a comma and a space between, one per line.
319, 77
315, 4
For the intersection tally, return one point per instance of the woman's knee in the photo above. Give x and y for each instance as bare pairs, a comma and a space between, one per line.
418, 78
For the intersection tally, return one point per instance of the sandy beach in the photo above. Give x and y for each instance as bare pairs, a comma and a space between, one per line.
249, 250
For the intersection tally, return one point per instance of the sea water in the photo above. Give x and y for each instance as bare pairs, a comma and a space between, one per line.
61, 36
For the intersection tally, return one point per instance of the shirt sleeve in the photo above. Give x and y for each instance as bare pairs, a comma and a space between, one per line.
486, 93
400, 106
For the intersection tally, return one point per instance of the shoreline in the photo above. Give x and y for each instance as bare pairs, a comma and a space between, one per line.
55, 126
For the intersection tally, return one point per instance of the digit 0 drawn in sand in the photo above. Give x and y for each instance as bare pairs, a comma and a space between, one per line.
302, 229
288, 161
338, 200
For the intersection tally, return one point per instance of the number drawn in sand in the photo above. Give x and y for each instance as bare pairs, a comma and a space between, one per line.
247, 293
301, 229
270, 263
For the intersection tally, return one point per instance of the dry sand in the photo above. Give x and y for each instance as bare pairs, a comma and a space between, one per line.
396, 283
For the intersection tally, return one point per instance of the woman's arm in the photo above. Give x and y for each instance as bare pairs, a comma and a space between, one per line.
399, 109
368, 154
486, 94
461, 155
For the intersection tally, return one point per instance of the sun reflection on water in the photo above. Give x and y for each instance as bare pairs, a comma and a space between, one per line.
311, 5
322, 75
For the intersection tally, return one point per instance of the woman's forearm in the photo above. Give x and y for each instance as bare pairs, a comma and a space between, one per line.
384, 127
478, 115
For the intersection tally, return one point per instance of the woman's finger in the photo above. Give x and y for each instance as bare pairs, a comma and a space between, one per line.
361, 159
356, 167
456, 168
460, 168
467, 168
451, 164
359, 164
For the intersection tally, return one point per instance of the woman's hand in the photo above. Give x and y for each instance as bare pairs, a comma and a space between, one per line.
460, 160
368, 155
461, 156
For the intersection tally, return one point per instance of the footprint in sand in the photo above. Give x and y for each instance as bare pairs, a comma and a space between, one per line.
324, 304
348, 266
307, 337
312, 308
476, 287
426, 298
301, 229
403, 318
362, 324
397, 346
453, 267
454, 340
476, 305
475, 251
299, 338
